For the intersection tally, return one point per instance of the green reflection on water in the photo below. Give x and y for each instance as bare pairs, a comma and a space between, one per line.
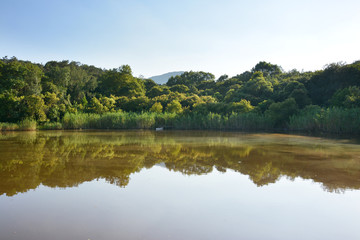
67, 159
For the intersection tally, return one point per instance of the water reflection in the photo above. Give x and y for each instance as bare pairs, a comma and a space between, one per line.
67, 159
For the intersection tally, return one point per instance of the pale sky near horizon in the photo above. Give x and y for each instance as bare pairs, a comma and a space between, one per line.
155, 37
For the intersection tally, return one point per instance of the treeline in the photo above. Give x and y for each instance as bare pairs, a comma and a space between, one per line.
267, 96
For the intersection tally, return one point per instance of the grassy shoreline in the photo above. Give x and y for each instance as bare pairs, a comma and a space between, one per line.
330, 120
25, 125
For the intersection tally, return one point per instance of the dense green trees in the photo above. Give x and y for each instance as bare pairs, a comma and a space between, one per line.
156, 107
174, 107
323, 84
267, 69
120, 82
190, 78
19, 77
347, 97
47, 92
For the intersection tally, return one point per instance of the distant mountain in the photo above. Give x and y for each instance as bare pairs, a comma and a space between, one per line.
162, 79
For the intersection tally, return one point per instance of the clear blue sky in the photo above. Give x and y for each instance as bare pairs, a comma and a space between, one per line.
155, 37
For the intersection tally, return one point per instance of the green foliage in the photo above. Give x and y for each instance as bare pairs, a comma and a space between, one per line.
52, 109
74, 121
263, 106
156, 107
267, 69
9, 126
174, 107
118, 120
250, 121
258, 88
124, 120
241, 107
82, 96
138, 104
190, 79
223, 78
181, 88
348, 97
120, 82
96, 106
330, 120
190, 101
281, 111
51, 126
57, 77
307, 119
108, 103
157, 91
219, 108
199, 121
149, 83
20, 77
81, 81
293, 89
323, 84
301, 97
11, 109
34, 107
27, 125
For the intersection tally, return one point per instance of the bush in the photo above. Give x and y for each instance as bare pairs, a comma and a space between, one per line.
281, 111
156, 107
27, 125
9, 126
174, 107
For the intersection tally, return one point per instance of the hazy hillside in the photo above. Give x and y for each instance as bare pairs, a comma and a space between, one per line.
162, 79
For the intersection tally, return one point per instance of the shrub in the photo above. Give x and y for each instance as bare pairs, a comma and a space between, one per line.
156, 107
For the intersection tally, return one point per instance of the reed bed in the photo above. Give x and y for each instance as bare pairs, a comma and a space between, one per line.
311, 119
330, 120
25, 125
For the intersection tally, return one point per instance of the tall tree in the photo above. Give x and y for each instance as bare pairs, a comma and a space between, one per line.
120, 82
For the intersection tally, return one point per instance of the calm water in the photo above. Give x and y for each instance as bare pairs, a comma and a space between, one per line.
177, 185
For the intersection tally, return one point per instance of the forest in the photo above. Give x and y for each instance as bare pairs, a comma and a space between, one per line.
71, 95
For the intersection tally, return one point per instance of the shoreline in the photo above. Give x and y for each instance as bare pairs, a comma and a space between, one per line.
329, 135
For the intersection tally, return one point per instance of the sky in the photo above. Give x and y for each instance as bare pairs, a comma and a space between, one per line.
160, 36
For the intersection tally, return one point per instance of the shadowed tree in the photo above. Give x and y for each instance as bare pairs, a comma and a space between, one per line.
267, 69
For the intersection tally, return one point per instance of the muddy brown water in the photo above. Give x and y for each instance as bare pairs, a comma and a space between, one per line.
177, 185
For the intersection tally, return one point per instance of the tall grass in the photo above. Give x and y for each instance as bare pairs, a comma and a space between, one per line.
151, 120
330, 120
51, 126
199, 121
25, 125
9, 126
120, 120
250, 121
306, 120
28, 125
310, 119
236, 121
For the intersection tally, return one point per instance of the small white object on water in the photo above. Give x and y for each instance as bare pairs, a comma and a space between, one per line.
159, 129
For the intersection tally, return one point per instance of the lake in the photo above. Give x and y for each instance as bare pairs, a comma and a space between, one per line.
177, 185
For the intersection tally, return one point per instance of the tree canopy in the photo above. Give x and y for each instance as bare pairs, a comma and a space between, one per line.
47, 92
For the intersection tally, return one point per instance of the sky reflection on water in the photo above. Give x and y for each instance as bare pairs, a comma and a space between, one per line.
176, 185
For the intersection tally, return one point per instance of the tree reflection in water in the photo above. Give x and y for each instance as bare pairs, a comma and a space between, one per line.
67, 159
